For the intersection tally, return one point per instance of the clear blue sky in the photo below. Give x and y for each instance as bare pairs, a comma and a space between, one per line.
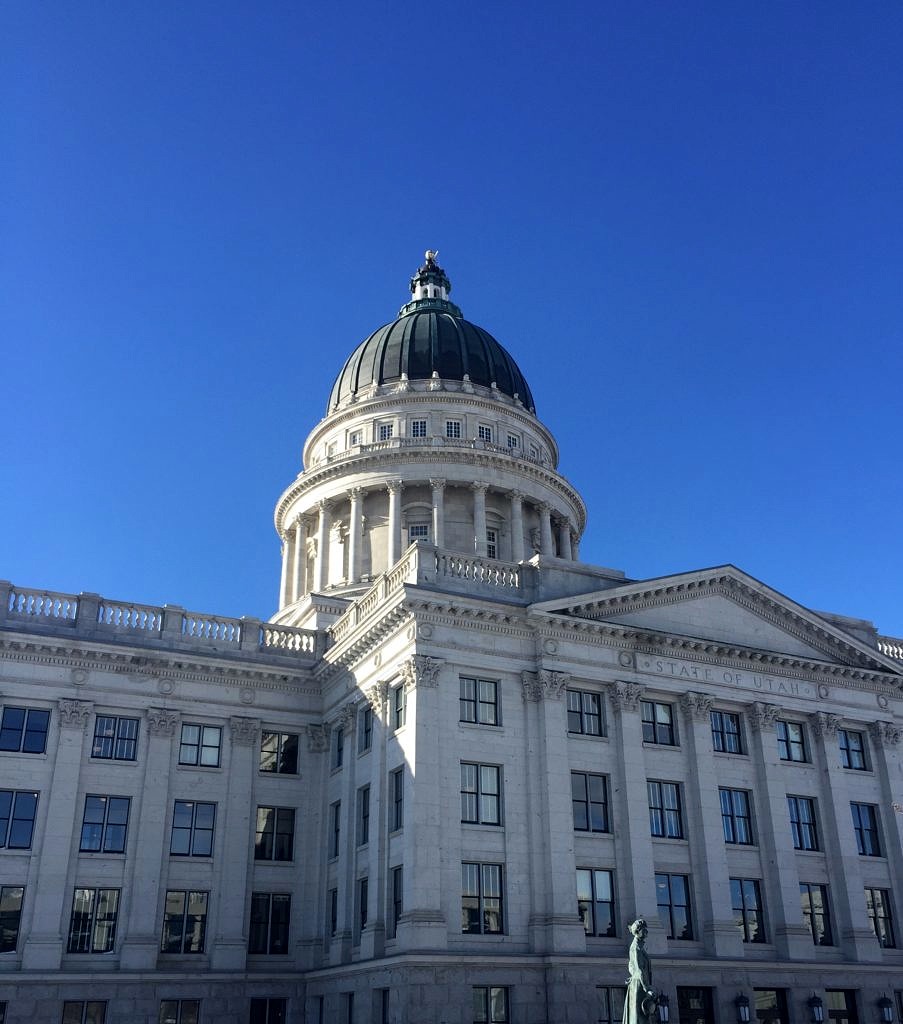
683, 219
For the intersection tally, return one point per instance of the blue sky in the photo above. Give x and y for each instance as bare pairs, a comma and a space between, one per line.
683, 220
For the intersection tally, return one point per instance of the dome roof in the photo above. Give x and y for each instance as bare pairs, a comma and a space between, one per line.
430, 336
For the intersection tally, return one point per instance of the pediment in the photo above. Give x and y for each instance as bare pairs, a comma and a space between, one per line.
726, 608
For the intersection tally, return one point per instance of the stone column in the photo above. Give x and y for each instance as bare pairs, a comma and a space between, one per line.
885, 738
781, 891
298, 558
438, 487
394, 546
517, 526
575, 546
142, 937
230, 947
285, 580
355, 533
479, 518
340, 946
53, 900
564, 538
711, 874
321, 567
546, 547
373, 936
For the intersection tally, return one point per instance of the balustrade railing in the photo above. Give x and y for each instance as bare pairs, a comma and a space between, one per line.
288, 638
206, 627
42, 604
891, 647
130, 616
397, 443
480, 570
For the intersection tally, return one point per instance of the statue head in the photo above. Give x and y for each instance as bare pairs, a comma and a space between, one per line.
639, 928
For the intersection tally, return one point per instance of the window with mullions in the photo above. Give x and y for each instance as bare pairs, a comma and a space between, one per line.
479, 701
396, 900
484, 432
384, 431
24, 730
270, 916
10, 916
695, 1005
735, 816
492, 544
802, 822
589, 800
610, 1002
596, 902
279, 753
338, 747
362, 898
92, 926
90, 1011
513, 442
770, 1006
399, 707
816, 913
333, 903
865, 825
200, 745
104, 824
335, 829
480, 794
482, 901
365, 730
180, 1011
17, 814
665, 814
852, 749
453, 428
585, 713
396, 798
746, 902
363, 815
115, 738
418, 428
192, 829
658, 723
490, 1004
184, 922
673, 898
791, 741
877, 905
418, 531
726, 732
275, 837
267, 1011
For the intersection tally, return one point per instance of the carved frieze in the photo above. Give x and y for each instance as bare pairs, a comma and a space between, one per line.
695, 704
74, 714
318, 738
624, 696
824, 724
762, 716
244, 731
162, 722
884, 734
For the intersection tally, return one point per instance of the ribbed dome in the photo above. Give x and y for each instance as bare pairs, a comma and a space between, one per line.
430, 336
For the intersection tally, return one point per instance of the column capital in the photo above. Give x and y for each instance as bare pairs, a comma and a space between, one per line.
762, 716
437, 483
884, 734
74, 714
318, 738
346, 717
394, 486
376, 696
624, 696
325, 505
162, 721
479, 485
244, 731
356, 493
544, 508
516, 495
420, 670
824, 724
697, 705
544, 684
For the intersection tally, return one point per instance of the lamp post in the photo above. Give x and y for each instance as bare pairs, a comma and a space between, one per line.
742, 1004
664, 1011
816, 1009
886, 1008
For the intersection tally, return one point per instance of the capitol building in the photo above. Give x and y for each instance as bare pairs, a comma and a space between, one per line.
440, 782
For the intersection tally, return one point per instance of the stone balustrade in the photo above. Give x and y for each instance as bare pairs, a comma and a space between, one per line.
438, 441
891, 647
170, 627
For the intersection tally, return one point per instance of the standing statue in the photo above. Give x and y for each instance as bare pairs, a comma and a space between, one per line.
641, 999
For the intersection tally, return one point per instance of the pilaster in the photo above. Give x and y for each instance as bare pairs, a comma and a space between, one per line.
438, 487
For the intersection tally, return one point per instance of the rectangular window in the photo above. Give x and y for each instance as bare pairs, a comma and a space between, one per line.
585, 713
746, 901
513, 441
365, 730
104, 824
595, 901
355, 438
418, 428
852, 749
665, 815
418, 531
771, 1006
10, 916
802, 822
184, 922
877, 904
363, 897
865, 825
92, 926
610, 1004
399, 707
735, 816
267, 1011
180, 1011
479, 701
481, 794
363, 816
24, 730
192, 829
335, 828
275, 839
270, 916
396, 899
490, 1005
481, 899
726, 732
115, 738
453, 428
92, 1011
658, 723
384, 431
396, 797
695, 1005
331, 449
673, 897
589, 800
338, 747
200, 745
817, 913
333, 911
791, 741
492, 544
17, 813
534, 451
279, 753
484, 432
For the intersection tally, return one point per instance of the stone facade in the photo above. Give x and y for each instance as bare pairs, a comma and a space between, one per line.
444, 779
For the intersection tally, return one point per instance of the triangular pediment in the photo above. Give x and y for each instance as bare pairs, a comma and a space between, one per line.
724, 607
